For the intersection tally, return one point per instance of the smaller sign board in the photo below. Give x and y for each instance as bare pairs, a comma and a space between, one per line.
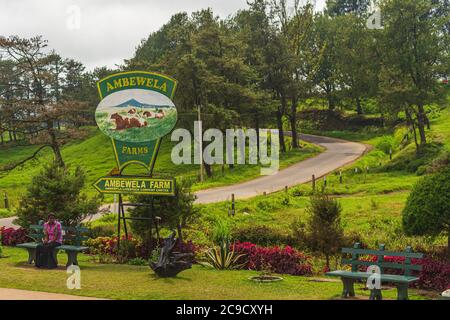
136, 185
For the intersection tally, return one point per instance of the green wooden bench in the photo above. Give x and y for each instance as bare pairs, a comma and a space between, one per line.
401, 281
71, 234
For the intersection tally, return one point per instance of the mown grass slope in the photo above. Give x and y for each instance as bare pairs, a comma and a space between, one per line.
95, 155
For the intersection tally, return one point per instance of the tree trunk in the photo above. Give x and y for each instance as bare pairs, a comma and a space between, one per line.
208, 169
2, 141
410, 122
358, 106
280, 113
421, 125
54, 144
280, 129
180, 234
257, 133
293, 119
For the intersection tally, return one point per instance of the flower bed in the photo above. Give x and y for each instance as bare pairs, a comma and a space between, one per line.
284, 260
435, 274
12, 237
130, 248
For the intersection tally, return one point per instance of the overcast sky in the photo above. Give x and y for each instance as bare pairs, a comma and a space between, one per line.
107, 31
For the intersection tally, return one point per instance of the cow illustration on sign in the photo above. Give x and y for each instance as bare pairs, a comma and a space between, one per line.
136, 115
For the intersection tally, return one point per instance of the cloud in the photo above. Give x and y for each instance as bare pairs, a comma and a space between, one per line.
109, 30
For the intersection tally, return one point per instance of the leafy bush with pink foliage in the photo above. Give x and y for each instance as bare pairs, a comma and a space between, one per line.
12, 237
284, 260
435, 274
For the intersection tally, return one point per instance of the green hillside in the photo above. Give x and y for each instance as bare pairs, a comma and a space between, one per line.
96, 156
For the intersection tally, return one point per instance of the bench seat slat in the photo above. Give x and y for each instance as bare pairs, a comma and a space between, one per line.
364, 275
416, 255
31, 245
72, 248
391, 265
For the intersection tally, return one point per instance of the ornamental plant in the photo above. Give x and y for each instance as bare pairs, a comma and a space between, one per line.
57, 190
427, 210
284, 260
12, 237
435, 274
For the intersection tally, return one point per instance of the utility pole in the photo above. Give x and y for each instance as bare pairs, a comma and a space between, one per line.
200, 142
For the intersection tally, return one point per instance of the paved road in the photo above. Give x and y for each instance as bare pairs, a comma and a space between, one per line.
338, 153
15, 294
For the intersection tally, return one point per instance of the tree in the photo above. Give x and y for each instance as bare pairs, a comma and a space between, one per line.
300, 67
427, 210
174, 212
324, 230
56, 190
356, 59
322, 47
36, 107
414, 53
341, 7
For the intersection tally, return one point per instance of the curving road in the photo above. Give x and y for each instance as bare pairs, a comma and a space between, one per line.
338, 153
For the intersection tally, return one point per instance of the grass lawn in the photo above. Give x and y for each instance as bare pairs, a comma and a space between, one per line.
95, 155
138, 282
372, 197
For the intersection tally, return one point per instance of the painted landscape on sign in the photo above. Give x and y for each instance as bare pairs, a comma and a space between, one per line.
136, 115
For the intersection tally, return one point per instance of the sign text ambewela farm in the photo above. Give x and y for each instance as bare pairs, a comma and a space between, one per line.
136, 185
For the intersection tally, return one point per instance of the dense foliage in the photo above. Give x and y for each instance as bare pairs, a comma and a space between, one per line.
12, 237
169, 212
427, 210
284, 260
323, 232
56, 190
435, 274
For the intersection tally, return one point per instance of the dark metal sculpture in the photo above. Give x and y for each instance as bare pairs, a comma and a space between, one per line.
171, 263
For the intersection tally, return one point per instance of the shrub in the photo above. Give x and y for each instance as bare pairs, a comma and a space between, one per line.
102, 230
281, 260
174, 212
12, 237
435, 274
427, 210
106, 248
323, 232
386, 144
261, 235
411, 161
56, 190
223, 257
221, 232
137, 262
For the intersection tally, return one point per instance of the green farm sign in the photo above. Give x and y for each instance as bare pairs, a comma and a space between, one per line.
136, 111
136, 185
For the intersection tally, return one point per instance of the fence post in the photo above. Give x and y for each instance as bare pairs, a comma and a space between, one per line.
340, 177
313, 183
6, 201
232, 210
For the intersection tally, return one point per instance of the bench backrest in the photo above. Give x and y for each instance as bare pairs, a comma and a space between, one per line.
356, 252
74, 234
